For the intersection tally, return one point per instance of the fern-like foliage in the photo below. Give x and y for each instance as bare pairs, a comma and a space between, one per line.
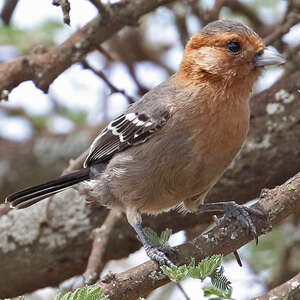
216, 294
176, 273
155, 239
219, 280
208, 267
86, 293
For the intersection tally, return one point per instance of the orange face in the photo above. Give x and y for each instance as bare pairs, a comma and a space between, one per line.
225, 54
226, 50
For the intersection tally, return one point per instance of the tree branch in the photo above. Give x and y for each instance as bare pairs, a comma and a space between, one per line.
277, 204
8, 10
65, 7
288, 290
43, 68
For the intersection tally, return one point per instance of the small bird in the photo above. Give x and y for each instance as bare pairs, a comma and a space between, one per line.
171, 147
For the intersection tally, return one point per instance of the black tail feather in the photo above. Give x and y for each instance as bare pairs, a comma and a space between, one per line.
34, 194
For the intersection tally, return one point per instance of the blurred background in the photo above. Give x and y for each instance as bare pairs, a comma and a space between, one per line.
40, 132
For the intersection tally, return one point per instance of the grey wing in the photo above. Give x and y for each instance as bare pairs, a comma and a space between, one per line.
125, 131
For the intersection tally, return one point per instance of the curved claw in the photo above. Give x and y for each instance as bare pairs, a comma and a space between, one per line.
160, 255
243, 215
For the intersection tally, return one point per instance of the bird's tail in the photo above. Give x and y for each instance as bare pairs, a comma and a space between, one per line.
39, 192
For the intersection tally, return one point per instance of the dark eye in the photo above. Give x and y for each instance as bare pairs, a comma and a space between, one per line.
234, 47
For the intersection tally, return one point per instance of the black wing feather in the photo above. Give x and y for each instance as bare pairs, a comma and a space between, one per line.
125, 131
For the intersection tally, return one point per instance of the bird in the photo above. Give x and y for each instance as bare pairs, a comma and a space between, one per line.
172, 146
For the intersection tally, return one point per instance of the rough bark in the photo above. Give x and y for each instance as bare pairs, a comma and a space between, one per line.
42, 157
43, 68
277, 204
289, 290
62, 240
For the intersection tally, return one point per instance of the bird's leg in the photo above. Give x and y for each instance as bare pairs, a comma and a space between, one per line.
233, 210
158, 254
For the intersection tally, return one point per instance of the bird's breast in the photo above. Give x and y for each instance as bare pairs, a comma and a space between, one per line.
217, 142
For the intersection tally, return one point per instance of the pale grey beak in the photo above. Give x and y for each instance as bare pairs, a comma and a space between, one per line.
269, 57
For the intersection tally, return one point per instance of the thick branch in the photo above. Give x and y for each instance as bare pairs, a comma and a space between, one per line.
270, 156
45, 67
277, 203
288, 290
8, 10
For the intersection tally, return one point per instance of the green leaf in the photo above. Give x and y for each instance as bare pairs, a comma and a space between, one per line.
214, 291
176, 273
155, 240
206, 267
152, 236
86, 293
164, 236
220, 281
28, 39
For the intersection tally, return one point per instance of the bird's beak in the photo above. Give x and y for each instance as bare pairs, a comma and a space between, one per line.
268, 57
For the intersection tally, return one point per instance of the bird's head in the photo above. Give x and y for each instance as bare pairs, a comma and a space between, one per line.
226, 51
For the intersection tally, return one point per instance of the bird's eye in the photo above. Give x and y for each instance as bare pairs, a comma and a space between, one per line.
234, 47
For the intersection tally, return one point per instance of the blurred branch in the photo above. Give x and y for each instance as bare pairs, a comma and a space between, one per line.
277, 204
8, 10
112, 87
105, 53
291, 18
43, 68
131, 46
57, 247
99, 5
288, 290
100, 242
179, 11
215, 11
208, 15
239, 7
65, 7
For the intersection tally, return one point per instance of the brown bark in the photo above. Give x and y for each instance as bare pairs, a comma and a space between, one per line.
277, 204
289, 290
42, 157
43, 68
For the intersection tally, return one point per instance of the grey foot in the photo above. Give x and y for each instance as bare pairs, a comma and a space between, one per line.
243, 215
161, 255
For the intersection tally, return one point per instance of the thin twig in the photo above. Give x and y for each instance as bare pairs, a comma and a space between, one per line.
101, 237
185, 295
215, 11
105, 53
237, 257
180, 11
65, 7
102, 9
113, 88
237, 6
8, 10
291, 18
